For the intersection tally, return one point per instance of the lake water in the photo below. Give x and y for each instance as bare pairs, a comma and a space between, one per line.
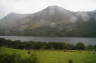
73, 40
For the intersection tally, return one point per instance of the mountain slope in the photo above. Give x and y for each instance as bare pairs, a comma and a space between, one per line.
52, 21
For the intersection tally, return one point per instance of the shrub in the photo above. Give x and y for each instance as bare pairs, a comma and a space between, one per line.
16, 58
70, 61
80, 46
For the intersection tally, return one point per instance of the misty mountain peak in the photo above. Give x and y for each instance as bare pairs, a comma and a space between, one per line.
53, 7
56, 8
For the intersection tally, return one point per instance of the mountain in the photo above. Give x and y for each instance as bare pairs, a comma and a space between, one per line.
51, 21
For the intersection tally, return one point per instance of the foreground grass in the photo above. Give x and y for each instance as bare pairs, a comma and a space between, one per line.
55, 56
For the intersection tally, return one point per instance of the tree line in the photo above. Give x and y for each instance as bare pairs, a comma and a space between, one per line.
17, 44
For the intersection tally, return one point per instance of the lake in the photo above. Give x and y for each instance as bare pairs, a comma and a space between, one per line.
73, 40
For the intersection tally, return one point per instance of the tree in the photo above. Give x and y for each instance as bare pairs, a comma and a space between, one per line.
80, 46
95, 47
90, 47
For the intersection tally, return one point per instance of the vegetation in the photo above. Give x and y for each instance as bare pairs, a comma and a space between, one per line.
44, 45
48, 56
15, 57
45, 52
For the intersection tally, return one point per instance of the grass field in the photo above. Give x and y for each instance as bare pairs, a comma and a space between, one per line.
56, 56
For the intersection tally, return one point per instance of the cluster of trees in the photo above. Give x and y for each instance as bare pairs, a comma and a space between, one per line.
44, 45
16, 58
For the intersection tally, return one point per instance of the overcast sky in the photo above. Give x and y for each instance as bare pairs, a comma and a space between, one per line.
31, 6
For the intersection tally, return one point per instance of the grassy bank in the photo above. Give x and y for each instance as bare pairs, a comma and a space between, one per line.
55, 56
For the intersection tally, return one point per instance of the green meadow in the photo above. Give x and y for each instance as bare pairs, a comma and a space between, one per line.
55, 56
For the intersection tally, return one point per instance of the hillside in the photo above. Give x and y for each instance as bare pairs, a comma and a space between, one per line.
51, 21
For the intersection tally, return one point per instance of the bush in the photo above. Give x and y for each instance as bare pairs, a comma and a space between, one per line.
70, 61
16, 58
80, 46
